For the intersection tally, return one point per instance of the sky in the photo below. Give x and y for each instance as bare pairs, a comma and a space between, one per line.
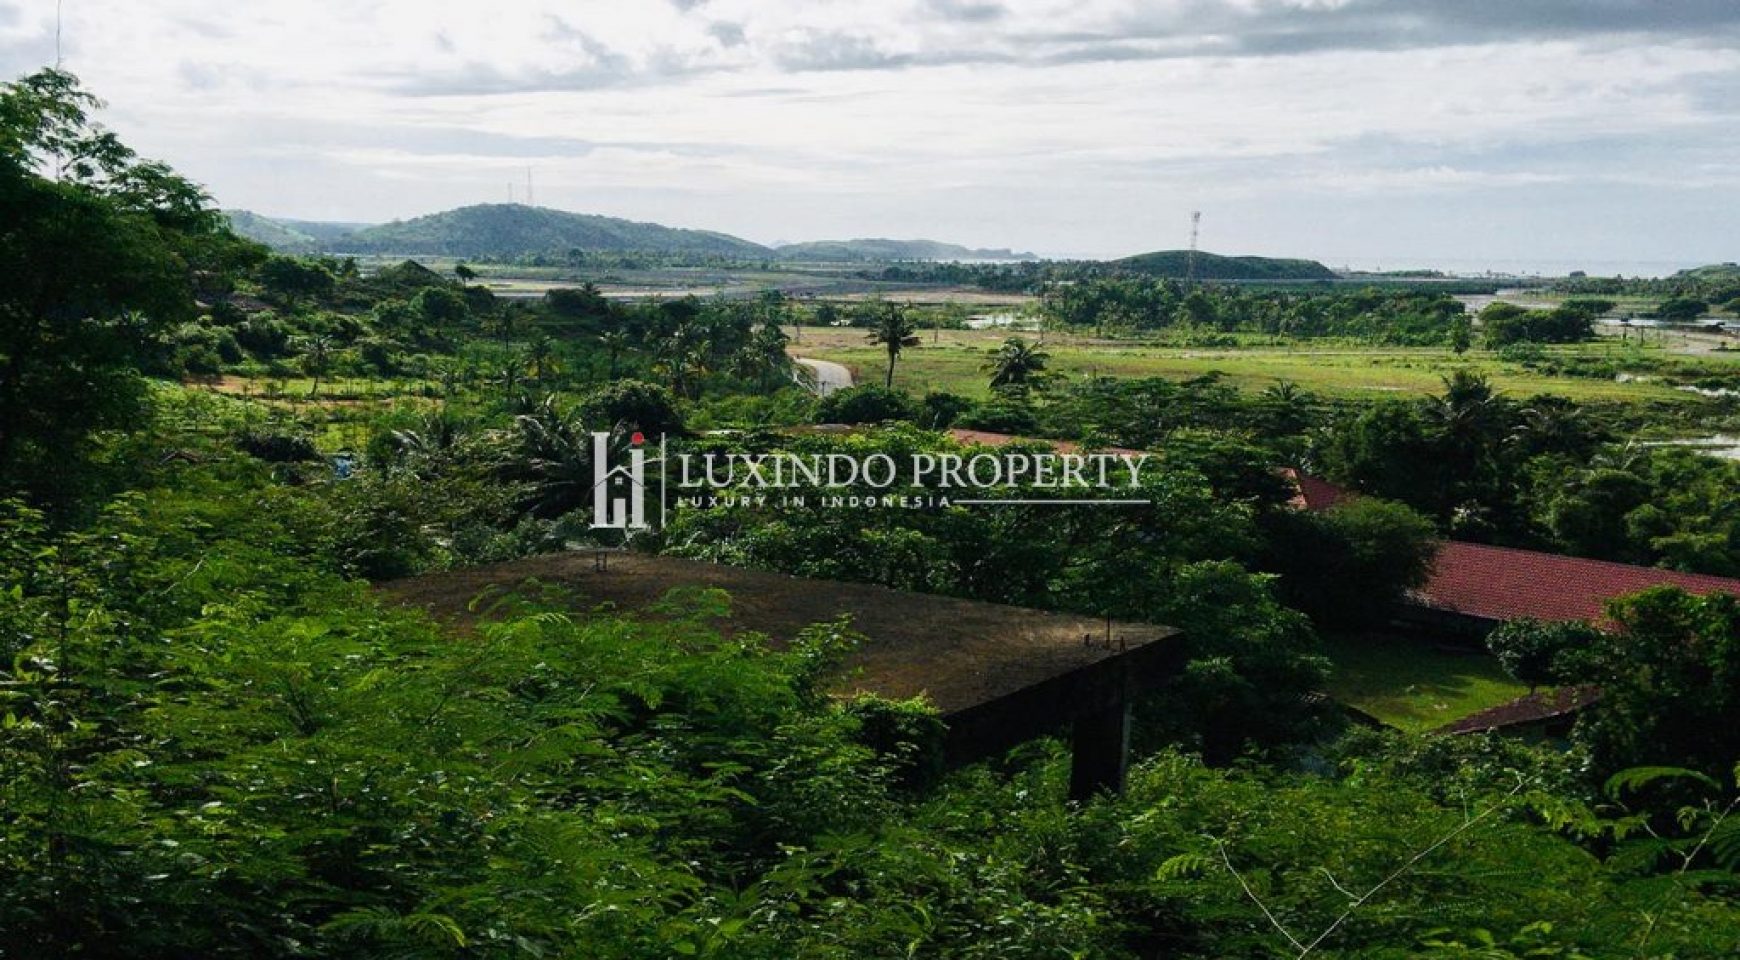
1471, 134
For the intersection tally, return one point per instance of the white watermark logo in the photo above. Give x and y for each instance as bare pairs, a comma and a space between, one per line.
619, 492
835, 480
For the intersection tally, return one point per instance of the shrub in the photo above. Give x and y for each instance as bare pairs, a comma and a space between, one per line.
866, 404
646, 407
275, 445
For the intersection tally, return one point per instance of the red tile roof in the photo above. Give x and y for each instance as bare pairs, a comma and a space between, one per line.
986, 438
1314, 493
1500, 583
1540, 705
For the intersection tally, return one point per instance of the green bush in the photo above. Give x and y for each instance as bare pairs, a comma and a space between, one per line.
865, 404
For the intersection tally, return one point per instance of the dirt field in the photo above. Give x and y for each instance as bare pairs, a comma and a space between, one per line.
958, 653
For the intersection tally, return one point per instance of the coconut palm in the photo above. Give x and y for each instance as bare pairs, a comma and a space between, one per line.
1470, 415
435, 439
1017, 365
541, 363
764, 358
1286, 406
615, 344
895, 331
683, 356
316, 358
553, 454
1552, 425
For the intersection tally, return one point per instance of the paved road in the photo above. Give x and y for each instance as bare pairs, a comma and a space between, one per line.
829, 376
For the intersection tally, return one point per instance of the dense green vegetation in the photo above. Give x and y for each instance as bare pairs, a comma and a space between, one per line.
1180, 264
508, 231
1404, 317
217, 740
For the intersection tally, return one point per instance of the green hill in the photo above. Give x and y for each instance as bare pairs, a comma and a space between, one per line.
278, 236
877, 248
512, 230
1213, 266
323, 231
1714, 271
290, 236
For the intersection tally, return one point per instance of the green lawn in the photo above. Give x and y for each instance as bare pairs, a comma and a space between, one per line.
1413, 685
956, 364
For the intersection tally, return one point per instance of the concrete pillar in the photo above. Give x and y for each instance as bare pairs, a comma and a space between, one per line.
1099, 749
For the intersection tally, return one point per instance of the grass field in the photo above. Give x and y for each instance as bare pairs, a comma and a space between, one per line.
1414, 686
953, 361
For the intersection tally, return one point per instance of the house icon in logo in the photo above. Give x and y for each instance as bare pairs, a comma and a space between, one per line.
619, 492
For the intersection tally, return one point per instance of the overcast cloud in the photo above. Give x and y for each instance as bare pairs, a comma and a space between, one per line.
1379, 132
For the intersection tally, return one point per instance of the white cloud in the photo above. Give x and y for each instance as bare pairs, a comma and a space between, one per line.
1084, 127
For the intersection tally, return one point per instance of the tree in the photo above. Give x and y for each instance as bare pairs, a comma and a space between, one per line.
894, 329
1670, 682
1286, 408
1539, 653
1504, 324
634, 405
864, 404
764, 358
1680, 309
1388, 450
615, 344
1461, 335
290, 280
541, 361
1349, 565
1017, 364
316, 358
99, 263
441, 306
464, 273
1588, 516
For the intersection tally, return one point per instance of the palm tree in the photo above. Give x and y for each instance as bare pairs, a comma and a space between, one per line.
554, 456
508, 375
1470, 413
1552, 425
1017, 364
1287, 406
615, 344
764, 358
316, 357
683, 356
895, 331
541, 359
436, 437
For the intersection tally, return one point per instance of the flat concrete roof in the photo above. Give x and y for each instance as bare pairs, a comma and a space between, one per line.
960, 654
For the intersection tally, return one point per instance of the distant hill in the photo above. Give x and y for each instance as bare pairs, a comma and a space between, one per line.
270, 232
882, 249
512, 230
290, 236
1714, 271
1212, 266
323, 231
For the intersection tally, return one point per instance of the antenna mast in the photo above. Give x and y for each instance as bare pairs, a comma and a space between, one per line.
1190, 263
529, 201
58, 60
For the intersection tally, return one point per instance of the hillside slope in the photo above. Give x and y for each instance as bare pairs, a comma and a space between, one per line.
512, 230
1213, 266
879, 248
278, 236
